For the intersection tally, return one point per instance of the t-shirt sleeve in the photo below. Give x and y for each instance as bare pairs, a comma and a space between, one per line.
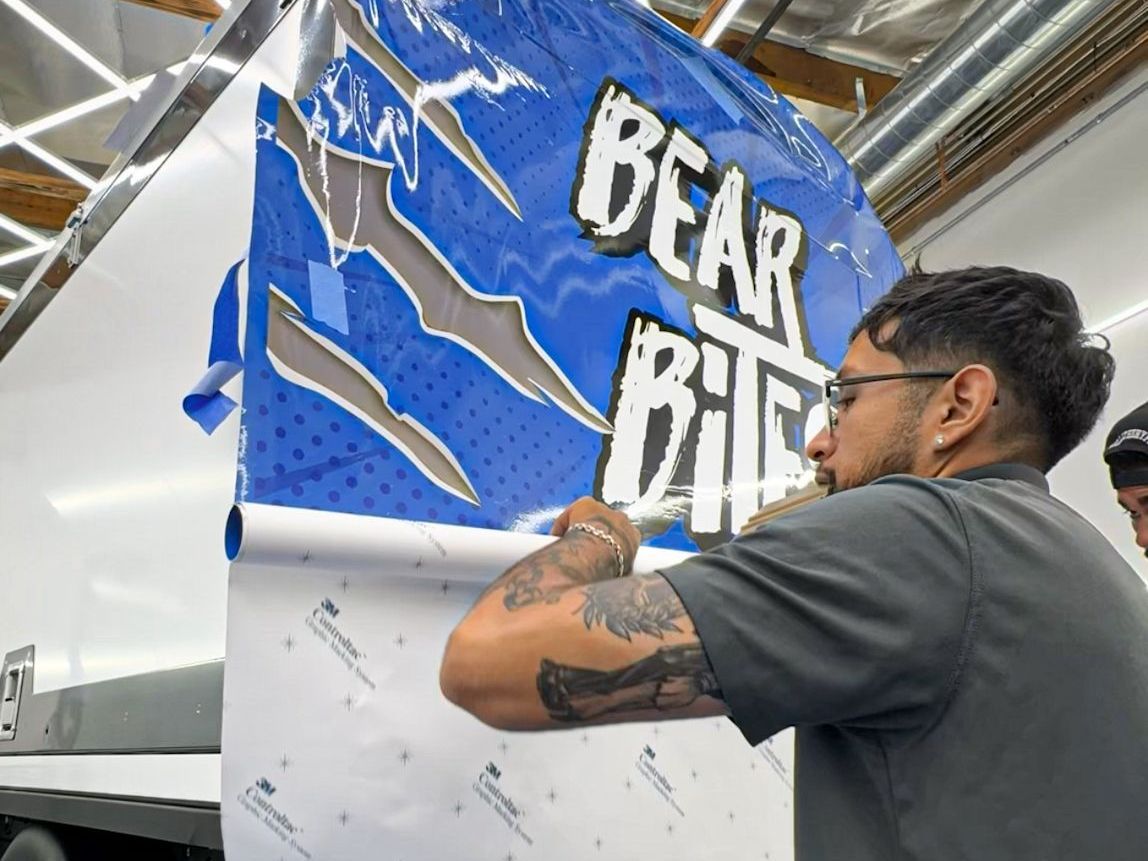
852, 611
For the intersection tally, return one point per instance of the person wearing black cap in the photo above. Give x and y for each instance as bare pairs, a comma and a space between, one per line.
1126, 453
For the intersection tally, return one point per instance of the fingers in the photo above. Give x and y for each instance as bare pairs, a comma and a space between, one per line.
589, 510
578, 511
561, 523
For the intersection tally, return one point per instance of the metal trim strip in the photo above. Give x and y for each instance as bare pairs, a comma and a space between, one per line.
221, 57
169, 711
189, 825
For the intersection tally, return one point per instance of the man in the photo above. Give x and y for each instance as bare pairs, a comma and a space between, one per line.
964, 658
1126, 453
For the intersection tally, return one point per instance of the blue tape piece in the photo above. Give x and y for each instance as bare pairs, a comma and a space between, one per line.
328, 296
206, 404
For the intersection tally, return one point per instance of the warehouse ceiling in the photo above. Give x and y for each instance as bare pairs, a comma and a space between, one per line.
69, 70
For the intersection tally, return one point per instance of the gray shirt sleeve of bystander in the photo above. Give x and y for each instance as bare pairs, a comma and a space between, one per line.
853, 611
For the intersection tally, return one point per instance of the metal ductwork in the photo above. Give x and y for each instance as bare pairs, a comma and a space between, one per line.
993, 50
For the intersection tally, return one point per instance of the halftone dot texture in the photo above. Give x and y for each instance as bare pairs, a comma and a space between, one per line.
520, 455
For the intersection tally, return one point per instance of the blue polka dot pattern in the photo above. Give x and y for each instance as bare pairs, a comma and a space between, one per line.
520, 454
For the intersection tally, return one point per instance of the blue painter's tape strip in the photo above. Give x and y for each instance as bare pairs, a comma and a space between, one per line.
328, 296
206, 404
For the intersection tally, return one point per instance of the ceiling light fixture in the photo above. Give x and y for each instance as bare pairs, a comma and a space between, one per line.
24, 253
718, 25
18, 229
79, 109
66, 168
21, 8
67, 114
1123, 317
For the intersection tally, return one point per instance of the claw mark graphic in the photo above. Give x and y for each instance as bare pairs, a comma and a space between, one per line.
428, 102
362, 215
307, 359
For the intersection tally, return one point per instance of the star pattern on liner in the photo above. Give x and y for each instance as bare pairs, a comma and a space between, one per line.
348, 702
343, 817
585, 738
306, 557
731, 816
552, 795
598, 843
669, 828
284, 762
694, 773
629, 784
405, 756
289, 643
345, 584
418, 564
445, 587
459, 807
400, 641
504, 747
509, 857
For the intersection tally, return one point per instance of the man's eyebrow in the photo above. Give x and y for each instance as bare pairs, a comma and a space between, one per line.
1142, 500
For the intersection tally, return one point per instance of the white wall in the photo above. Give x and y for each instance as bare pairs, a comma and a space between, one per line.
1080, 215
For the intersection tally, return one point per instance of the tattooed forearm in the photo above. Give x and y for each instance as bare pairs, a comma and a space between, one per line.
671, 678
543, 577
635, 605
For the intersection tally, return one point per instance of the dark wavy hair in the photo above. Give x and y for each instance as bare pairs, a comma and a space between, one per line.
1026, 327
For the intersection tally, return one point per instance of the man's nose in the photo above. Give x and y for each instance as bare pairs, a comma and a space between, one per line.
1142, 533
820, 447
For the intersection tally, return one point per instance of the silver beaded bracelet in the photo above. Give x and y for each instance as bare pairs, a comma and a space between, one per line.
609, 539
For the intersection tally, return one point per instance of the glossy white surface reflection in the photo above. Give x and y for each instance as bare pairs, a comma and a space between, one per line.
112, 502
191, 777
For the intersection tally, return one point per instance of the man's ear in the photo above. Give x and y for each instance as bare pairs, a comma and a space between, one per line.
966, 402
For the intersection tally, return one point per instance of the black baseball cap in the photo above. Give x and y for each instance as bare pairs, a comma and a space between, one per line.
1126, 450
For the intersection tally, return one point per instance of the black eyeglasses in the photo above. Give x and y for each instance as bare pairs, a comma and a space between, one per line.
832, 396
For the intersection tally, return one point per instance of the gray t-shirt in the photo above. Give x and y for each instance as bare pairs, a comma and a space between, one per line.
965, 660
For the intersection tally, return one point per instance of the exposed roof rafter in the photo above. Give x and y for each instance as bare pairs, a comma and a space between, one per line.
201, 10
37, 200
800, 74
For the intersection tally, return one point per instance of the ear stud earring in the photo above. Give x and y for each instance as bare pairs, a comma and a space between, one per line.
939, 440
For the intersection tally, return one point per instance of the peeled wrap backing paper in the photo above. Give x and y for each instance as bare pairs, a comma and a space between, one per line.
505, 254
339, 744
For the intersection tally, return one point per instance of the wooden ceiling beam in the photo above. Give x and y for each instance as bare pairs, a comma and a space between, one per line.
698, 28
201, 10
800, 74
1066, 103
790, 71
37, 200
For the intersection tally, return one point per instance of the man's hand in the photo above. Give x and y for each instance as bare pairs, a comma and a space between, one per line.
613, 523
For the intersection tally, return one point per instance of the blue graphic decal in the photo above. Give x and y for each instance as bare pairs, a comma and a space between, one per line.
484, 281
